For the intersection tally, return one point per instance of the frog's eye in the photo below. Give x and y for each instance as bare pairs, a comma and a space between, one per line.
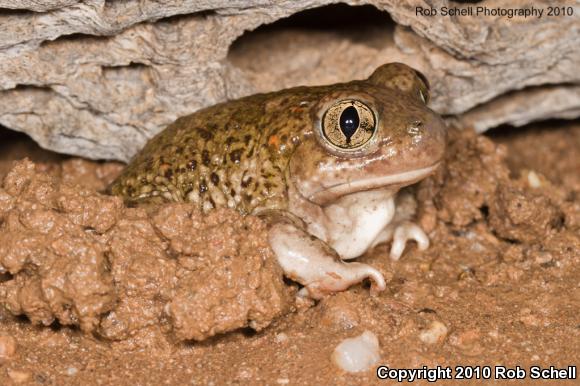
348, 124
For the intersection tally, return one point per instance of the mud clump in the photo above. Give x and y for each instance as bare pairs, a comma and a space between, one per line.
521, 215
475, 189
462, 190
81, 258
48, 245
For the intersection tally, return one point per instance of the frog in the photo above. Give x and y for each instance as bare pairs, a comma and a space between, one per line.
321, 165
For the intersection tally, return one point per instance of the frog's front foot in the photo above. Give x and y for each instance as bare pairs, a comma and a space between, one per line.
400, 233
404, 232
309, 261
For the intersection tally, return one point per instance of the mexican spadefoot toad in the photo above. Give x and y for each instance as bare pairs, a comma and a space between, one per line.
322, 165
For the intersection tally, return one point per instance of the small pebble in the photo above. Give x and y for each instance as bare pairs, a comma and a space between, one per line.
281, 338
244, 374
533, 179
436, 333
357, 354
71, 371
18, 376
7, 348
469, 342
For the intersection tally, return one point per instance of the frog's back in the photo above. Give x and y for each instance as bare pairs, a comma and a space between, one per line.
232, 154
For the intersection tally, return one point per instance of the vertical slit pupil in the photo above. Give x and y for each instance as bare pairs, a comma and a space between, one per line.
349, 122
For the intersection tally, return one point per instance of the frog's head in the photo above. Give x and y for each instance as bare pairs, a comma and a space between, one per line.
377, 133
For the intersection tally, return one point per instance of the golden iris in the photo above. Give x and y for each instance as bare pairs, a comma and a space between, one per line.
348, 124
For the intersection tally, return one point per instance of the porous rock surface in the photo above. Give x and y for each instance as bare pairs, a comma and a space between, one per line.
97, 78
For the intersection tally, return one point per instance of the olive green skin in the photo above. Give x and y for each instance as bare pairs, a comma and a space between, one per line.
246, 153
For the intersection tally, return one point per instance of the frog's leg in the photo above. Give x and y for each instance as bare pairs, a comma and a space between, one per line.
311, 262
402, 229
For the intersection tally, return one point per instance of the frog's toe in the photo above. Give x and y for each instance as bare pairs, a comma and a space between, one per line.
404, 232
339, 276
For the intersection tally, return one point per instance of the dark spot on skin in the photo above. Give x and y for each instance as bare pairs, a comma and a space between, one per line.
192, 165
232, 126
205, 158
247, 139
202, 186
168, 173
203, 133
214, 178
188, 190
149, 164
232, 192
246, 182
247, 197
236, 155
267, 185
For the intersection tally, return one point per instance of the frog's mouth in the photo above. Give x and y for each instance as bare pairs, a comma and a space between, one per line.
394, 181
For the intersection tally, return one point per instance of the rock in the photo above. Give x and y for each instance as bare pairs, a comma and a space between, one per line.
435, 333
357, 354
98, 78
18, 376
7, 348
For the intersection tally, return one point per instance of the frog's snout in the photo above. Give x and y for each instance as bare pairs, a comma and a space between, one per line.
428, 138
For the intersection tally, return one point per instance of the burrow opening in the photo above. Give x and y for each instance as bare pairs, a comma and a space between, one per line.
315, 46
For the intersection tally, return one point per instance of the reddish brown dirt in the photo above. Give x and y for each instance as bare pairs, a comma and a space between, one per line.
126, 292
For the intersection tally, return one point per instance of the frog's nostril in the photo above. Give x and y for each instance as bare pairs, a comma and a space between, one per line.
415, 128
349, 122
